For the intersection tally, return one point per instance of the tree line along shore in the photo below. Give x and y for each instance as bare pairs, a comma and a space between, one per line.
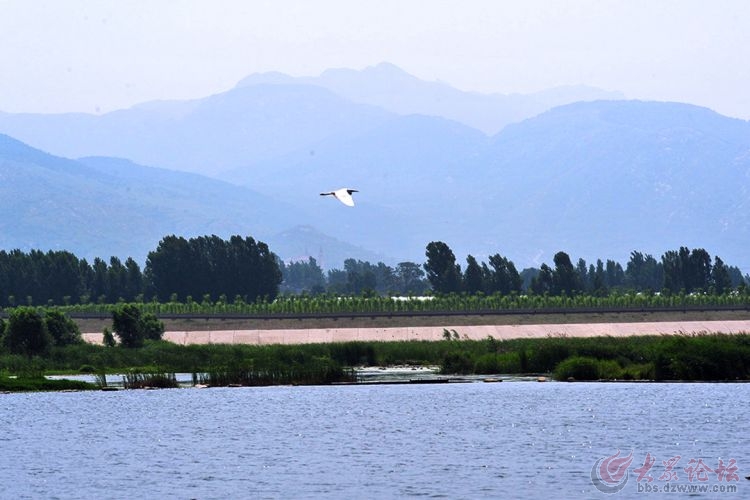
211, 270
204, 279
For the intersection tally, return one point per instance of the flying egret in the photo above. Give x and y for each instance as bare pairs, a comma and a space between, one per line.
344, 195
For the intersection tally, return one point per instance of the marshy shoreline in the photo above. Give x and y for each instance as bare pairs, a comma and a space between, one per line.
229, 351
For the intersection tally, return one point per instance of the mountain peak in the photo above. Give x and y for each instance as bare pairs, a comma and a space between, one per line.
268, 78
387, 69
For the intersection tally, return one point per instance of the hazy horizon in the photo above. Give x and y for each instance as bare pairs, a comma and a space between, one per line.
95, 57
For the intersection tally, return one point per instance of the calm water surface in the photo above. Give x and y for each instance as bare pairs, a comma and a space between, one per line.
506, 440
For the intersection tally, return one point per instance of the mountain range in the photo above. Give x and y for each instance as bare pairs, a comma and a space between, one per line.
267, 116
596, 178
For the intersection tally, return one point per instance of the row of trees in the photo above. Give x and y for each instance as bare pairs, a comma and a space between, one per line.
29, 331
178, 268
681, 270
60, 277
238, 267
357, 277
209, 268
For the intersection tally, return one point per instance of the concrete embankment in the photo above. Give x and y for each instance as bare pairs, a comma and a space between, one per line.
473, 332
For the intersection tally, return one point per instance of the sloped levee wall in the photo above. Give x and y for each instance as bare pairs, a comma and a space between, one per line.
432, 333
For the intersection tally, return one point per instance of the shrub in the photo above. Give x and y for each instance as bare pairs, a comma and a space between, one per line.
26, 332
133, 327
507, 362
578, 368
457, 363
151, 327
64, 330
108, 339
126, 323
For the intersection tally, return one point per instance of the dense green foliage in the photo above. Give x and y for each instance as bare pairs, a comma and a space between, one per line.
32, 332
302, 370
195, 267
442, 271
26, 332
59, 277
133, 327
683, 357
24, 384
64, 331
452, 303
209, 265
241, 270
134, 379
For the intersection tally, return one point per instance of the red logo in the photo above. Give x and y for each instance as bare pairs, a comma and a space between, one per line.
610, 474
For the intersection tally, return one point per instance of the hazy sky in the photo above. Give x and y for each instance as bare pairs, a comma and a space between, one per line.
79, 55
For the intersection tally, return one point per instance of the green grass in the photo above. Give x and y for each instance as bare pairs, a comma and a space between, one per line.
155, 380
681, 357
333, 304
36, 384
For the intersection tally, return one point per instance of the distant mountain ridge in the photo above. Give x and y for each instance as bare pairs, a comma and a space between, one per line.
395, 90
103, 207
597, 179
269, 115
202, 136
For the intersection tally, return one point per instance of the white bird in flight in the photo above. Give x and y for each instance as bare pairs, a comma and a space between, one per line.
344, 195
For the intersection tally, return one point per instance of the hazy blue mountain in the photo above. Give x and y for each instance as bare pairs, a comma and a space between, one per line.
412, 172
271, 115
595, 179
395, 90
301, 242
206, 135
99, 207
601, 179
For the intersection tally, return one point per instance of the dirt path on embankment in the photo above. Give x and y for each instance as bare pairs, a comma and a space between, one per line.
343, 329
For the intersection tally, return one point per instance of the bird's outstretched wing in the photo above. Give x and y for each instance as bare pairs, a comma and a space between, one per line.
344, 195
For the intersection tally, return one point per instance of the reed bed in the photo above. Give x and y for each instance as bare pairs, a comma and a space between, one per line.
150, 380
675, 357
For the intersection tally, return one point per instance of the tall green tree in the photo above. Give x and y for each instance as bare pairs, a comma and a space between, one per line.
64, 331
688, 270
543, 282
565, 277
302, 276
504, 277
100, 283
337, 281
583, 275
720, 279
126, 324
209, 265
133, 282
132, 326
410, 278
442, 271
615, 274
26, 332
643, 272
360, 277
474, 280
700, 270
116, 280
599, 280
151, 327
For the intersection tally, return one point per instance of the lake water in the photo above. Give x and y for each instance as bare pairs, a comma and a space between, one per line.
475, 440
